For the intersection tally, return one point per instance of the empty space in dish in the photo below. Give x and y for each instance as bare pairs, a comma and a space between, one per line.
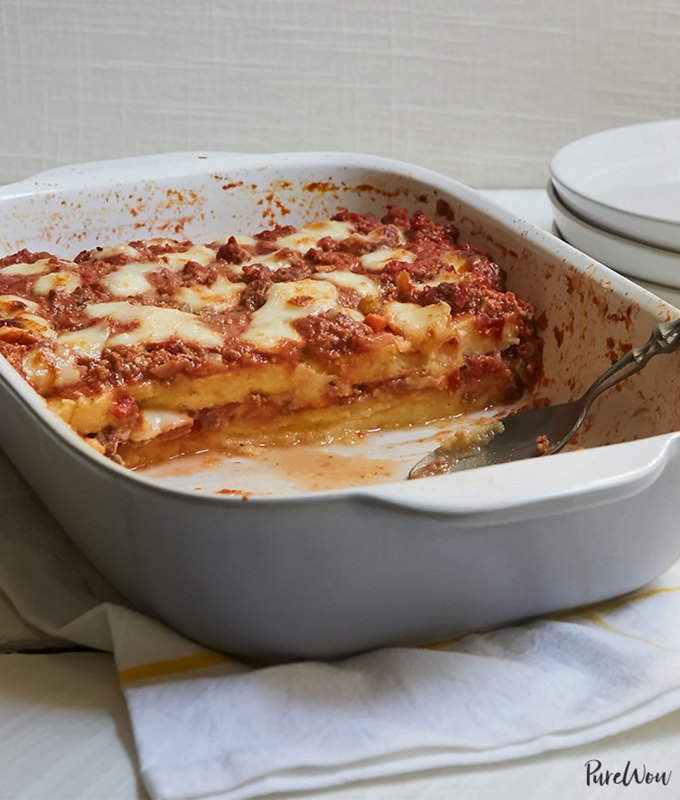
587, 316
372, 458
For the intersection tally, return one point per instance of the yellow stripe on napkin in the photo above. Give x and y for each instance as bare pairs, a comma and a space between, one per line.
589, 613
173, 666
608, 605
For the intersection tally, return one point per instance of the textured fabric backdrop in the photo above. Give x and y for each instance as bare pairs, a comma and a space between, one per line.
485, 91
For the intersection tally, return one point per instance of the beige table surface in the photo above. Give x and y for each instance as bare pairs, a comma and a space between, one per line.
64, 730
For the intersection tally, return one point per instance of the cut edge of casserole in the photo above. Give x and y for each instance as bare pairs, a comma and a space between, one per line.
155, 348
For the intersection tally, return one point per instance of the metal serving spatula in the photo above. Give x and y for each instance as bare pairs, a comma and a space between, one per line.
541, 431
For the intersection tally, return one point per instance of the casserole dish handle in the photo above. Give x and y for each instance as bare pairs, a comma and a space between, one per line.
553, 485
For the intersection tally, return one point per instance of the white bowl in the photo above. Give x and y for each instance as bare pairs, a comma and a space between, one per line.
626, 180
623, 255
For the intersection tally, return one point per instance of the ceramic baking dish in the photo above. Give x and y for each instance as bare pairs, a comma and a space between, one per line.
295, 574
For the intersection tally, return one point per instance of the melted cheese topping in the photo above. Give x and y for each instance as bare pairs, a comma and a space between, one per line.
26, 269
38, 370
129, 280
308, 236
271, 324
418, 324
115, 250
67, 373
199, 253
273, 261
154, 324
12, 306
38, 325
446, 277
56, 281
376, 260
376, 235
455, 259
57, 368
219, 295
362, 284
48, 370
88, 342
153, 422
300, 242
24, 312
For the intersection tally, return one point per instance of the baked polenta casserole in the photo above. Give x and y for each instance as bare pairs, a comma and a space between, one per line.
160, 347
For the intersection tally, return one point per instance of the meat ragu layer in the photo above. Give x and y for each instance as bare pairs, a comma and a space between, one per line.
158, 347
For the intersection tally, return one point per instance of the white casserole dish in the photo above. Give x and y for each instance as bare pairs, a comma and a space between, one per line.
325, 574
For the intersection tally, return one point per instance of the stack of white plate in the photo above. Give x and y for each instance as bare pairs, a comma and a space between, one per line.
616, 197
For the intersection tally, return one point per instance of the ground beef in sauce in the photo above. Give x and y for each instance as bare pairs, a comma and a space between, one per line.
232, 252
332, 259
165, 283
258, 279
163, 361
329, 336
67, 312
195, 274
397, 216
543, 444
424, 233
274, 233
363, 223
14, 353
24, 256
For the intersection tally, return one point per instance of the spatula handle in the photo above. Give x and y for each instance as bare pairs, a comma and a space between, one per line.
665, 338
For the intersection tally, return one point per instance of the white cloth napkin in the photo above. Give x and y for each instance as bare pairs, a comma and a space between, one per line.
207, 725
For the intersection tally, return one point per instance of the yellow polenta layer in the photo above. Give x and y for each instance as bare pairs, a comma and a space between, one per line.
293, 387
379, 411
